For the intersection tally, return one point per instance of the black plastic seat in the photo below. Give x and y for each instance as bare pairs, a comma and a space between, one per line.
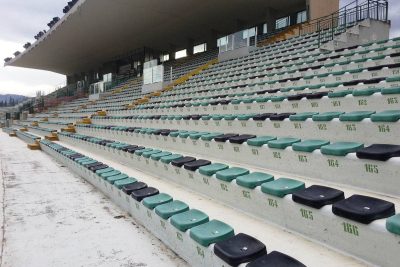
139, 195
75, 156
196, 117
317, 196
240, 139
99, 167
281, 116
296, 97
263, 117
157, 132
225, 137
224, 102
380, 152
363, 209
94, 165
128, 189
317, 95
275, 259
239, 249
182, 161
194, 165
129, 147
166, 132
273, 91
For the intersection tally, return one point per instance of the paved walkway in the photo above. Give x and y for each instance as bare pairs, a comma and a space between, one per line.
51, 217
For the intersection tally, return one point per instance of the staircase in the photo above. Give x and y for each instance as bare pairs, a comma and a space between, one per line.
363, 32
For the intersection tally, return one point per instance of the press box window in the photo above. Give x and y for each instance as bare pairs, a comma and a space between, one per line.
302, 16
200, 48
282, 23
181, 54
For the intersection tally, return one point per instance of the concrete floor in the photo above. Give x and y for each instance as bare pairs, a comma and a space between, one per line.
51, 217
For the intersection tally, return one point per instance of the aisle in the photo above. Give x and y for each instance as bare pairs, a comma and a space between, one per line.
54, 218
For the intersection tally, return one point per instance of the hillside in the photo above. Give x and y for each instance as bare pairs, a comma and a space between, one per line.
11, 99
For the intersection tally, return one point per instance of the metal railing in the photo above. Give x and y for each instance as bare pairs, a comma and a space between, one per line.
329, 26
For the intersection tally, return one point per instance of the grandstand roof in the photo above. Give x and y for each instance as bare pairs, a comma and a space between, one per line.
97, 31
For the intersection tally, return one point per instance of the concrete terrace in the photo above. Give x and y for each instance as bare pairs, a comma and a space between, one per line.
51, 217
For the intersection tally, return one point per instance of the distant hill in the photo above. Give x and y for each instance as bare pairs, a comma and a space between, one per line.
10, 100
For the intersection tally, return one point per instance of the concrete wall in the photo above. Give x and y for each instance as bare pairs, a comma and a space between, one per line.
321, 8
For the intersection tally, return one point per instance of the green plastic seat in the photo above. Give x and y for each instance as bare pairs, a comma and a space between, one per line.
283, 143
228, 175
109, 174
211, 169
245, 117
230, 117
210, 136
171, 208
282, 187
355, 71
87, 162
121, 183
248, 100
176, 134
337, 94
186, 134
217, 117
278, 98
341, 148
211, 232
309, 145
254, 179
206, 117
366, 92
393, 224
332, 85
82, 159
393, 79
236, 101
158, 156
302, 116
327, 116
109, 169
260, 141
197, 136
390, 91
154, 201
140, 152
113, 179
147, 154
356, 115
188, 219
263, 99
386, 116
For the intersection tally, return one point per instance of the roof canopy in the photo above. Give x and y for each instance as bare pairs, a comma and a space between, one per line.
96, 31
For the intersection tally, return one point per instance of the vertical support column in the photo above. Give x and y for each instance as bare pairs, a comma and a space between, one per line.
321, 8
189, 47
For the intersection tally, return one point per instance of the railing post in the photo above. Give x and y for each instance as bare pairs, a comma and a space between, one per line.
357, 10
368, 9
386, 10
332, 28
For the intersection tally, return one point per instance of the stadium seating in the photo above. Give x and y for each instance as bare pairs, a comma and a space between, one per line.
294, 136
201, 241
314, 216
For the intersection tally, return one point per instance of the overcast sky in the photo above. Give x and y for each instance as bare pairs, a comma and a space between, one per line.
20, 20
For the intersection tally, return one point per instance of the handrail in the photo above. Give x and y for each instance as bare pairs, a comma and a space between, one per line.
336, 23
